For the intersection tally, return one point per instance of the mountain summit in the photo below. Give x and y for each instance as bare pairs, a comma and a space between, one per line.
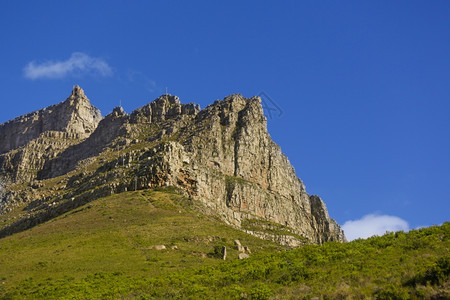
75, 115
222, 157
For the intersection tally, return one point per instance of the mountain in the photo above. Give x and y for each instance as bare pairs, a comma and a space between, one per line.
171, 201
59, 158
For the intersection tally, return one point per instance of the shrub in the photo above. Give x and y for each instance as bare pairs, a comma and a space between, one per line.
436, 274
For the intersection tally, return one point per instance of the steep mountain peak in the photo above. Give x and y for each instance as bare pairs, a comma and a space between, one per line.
75, 116
77, 92
78, 101
83, 117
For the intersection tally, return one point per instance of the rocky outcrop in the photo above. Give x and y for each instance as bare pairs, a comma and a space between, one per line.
221, 156
108, 130
29, 141
75, 116
116, 130
227, 160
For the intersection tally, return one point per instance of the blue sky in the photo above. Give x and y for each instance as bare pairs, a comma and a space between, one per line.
363, 86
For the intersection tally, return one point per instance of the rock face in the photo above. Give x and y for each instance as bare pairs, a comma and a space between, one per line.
221, 156
27, 142
75, 116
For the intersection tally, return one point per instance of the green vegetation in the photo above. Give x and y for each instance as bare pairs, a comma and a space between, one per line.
269, 227
106, 249
236, 180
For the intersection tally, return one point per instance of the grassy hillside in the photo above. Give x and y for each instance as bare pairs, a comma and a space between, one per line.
107, 249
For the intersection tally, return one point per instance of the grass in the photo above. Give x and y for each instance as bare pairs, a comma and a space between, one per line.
415, 265
114, 237
106, 249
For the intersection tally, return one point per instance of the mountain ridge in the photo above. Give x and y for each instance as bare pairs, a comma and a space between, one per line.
221, 156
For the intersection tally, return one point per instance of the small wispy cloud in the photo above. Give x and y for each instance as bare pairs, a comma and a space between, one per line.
373, 224
78, 63
141, 79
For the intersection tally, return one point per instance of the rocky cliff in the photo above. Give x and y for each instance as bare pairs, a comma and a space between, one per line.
27, 142
221, 157
75, 116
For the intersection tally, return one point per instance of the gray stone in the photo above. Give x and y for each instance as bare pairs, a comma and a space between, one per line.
239, 246
243, 255
224, 252
160, 247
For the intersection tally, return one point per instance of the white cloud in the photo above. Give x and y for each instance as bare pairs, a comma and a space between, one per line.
141, 79
373, 224
78, 63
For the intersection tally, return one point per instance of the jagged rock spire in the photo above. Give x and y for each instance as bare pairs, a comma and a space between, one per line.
75, 115
78, 91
